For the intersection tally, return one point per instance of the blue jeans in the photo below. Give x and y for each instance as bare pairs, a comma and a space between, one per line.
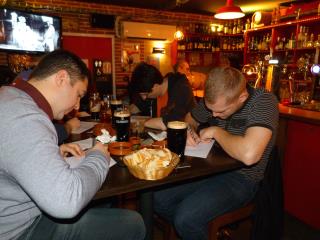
96, 223
189, 207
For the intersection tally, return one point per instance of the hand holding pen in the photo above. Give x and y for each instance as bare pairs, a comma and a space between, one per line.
192, 137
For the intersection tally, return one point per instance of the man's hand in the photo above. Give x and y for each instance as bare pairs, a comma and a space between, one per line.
192, 137
102, 148
72, 124
207, 134
71, 148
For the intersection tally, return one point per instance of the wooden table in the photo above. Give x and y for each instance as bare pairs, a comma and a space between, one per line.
120, 180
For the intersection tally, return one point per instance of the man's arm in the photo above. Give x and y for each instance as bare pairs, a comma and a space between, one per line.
247, 149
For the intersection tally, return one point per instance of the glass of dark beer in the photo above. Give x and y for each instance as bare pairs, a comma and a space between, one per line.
115, 105
177, 137
122, 125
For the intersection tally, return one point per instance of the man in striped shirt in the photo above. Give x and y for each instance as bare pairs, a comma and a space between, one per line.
243, 121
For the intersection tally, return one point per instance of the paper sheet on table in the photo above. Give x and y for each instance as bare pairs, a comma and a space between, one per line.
83, 114
84, 126
85, 143
74, 162
201, 150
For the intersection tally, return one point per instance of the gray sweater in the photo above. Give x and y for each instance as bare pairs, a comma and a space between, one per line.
33, 174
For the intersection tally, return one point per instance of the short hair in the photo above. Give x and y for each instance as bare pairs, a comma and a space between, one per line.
143, 77
61, 60
224, 81
178, 64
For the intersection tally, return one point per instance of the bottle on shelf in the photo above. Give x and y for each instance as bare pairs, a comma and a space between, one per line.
310, 42
248, 24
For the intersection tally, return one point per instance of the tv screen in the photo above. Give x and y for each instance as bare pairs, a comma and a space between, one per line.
29, 32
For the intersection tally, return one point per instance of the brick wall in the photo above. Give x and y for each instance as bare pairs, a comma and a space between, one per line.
76, 18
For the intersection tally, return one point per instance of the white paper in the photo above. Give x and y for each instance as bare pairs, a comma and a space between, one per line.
84, 126
74, 161
85, 143
201, 150
83, 114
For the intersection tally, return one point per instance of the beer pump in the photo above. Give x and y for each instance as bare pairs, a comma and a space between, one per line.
273, 77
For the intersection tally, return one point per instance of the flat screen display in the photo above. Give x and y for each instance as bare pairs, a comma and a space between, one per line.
29, 32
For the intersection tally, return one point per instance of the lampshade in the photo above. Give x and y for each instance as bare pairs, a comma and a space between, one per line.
229, 11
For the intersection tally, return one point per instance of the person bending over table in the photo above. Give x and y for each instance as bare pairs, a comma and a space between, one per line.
243, 121
41, 196
63, 129
180, 95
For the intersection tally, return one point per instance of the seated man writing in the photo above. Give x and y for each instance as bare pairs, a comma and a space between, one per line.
146, 82
41, 196
243, 121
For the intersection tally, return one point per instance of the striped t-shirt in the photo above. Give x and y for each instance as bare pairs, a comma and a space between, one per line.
260, 109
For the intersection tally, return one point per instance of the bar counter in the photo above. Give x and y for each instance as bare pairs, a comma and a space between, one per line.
298, 138
298, 114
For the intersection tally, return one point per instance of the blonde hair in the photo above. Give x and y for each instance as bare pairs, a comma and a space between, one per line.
224, 81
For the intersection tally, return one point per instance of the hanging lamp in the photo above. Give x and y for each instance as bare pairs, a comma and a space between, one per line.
229, 11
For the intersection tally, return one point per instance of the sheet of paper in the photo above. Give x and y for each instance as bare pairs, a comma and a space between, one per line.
84, 126
201, 150
85, 143
74, 162
83, 114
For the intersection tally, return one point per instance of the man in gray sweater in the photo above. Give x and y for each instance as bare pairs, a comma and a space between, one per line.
41, 196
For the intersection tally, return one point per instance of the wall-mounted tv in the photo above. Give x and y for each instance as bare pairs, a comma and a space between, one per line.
29, 32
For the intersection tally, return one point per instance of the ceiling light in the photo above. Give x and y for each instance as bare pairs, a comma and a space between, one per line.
229, 11
178, 35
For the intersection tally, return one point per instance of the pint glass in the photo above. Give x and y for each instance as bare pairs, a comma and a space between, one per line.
177, 137
122, 125
115, 105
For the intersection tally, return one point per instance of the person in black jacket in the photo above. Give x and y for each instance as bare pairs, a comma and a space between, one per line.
180, 96
143, 78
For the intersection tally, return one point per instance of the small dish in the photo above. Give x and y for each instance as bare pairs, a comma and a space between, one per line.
118, 150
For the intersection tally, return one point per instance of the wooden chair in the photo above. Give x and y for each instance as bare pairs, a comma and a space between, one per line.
215, 226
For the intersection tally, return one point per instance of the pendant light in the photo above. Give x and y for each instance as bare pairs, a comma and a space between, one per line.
229, 11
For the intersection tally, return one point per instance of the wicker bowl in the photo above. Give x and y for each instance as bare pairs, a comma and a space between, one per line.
153, 174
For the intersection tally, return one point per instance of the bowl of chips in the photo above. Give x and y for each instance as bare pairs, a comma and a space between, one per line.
151, 164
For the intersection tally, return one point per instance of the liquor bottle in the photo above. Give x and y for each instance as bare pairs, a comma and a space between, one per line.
310, 42
239, 26
234, 29
226, 28
248, 24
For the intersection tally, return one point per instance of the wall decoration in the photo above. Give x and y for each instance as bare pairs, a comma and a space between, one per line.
130, 56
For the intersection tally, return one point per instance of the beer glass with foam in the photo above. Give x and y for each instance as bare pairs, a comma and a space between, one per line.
177, 137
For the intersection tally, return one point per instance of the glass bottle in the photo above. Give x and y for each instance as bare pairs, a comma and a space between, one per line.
95, 106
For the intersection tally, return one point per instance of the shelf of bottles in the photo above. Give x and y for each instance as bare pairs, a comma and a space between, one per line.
286, 41
203, 42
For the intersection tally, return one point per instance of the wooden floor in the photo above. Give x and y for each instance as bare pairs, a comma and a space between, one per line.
293, 230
